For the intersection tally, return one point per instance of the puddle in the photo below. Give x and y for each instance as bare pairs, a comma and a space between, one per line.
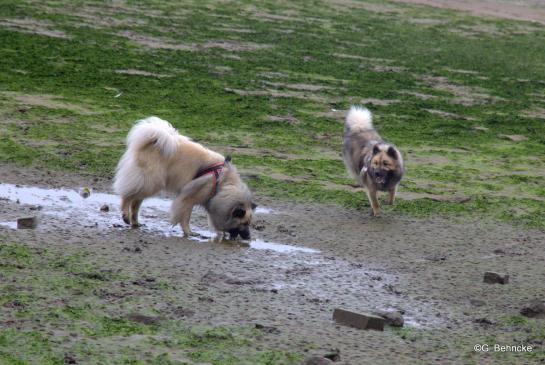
12, 225
278, 247
322, 279
264, 210
65, 204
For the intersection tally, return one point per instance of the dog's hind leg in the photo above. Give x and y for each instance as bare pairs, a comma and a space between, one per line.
391, 196
125, 204
135, 207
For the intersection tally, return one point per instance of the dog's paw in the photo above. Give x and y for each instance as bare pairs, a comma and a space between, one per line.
373, 213
126, 219
136, 225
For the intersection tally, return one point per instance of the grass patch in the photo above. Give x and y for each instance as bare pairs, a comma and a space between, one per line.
57, 303
484, 72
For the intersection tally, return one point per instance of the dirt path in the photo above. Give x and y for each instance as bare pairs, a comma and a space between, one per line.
431, 269
527, 10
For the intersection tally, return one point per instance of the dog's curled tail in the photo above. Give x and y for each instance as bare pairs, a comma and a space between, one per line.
358, 118
155, 132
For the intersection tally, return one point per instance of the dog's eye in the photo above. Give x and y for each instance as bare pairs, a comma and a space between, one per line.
385, 163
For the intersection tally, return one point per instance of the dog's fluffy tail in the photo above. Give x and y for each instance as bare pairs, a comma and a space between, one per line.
358, 118
155, 132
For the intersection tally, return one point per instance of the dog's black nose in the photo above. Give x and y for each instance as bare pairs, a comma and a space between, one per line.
245, 233
233, 233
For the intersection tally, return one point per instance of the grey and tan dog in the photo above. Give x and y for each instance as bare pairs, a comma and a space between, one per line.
158, 158
375, 164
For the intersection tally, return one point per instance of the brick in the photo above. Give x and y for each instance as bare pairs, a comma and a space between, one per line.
495, 278
364, 321
27, 223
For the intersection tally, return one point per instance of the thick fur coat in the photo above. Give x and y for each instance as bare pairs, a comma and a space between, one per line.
374, 163
158, 158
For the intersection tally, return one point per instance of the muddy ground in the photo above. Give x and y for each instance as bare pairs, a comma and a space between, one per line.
431, 269
527, 10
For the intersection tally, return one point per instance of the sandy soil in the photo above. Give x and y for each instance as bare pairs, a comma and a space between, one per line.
431, 269
528, 10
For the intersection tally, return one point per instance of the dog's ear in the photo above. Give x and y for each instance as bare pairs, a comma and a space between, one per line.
392, 153
239, 212
376, 149
254, 205
228, 158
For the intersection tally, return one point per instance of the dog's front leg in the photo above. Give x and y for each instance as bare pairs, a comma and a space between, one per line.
373, 199
219, 237
181, 213
196, 192
391, 195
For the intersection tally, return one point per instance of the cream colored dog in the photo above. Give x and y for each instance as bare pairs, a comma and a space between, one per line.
159, 158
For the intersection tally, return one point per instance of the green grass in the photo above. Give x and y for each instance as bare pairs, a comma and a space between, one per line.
49, 310
502, 66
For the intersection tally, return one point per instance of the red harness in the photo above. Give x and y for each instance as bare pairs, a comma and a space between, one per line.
212, 169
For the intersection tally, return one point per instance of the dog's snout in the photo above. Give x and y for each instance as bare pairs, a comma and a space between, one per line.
245, 233
233, 233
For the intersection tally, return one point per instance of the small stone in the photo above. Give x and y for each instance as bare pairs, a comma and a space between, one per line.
105, 208
536, 309
317, 360
333, 355
477, 302
495, 278
258, 225
393, 318
27, 223
85, 192
358, 320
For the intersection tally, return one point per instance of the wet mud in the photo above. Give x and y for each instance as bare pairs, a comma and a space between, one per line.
304, 261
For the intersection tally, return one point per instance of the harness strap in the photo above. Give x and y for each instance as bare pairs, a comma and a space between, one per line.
212, 169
